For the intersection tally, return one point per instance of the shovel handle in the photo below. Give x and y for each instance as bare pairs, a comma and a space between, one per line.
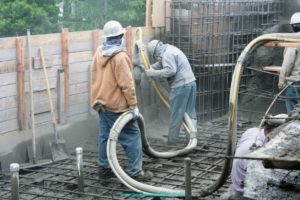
41, 51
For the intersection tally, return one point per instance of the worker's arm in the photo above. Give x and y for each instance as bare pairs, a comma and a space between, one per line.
124, 78
288, 64
169, 67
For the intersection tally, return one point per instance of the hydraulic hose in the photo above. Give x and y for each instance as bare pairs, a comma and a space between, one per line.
188, 125
117, 169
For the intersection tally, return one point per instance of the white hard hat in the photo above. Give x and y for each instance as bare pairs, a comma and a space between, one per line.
295, 19
151, 46
113, 28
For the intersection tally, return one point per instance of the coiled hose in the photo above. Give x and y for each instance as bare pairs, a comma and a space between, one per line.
126, 117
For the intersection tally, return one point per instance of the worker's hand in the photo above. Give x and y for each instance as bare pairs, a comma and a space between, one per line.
140, 44
151, 72
281, 85
135, 112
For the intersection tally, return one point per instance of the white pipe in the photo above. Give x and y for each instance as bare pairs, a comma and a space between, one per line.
119, 172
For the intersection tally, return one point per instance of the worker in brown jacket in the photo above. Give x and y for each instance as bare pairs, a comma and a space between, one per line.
113, 93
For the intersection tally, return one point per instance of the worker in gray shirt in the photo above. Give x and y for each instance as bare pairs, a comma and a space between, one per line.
291, 67
171, 63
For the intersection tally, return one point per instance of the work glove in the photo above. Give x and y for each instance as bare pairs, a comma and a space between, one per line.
151, 72
281, 85
140, 44
135, 112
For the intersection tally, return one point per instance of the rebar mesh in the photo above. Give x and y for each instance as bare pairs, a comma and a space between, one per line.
212, 34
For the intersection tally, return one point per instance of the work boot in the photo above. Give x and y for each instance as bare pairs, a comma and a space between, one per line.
105, 173
143, 176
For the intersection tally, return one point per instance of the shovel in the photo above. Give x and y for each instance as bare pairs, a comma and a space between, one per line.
58, 146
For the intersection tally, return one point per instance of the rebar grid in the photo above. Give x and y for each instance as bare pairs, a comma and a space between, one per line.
59, 180
212, 34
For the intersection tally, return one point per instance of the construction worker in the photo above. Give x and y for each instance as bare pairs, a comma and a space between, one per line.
113, 93
171, 63
252, 136
291, 67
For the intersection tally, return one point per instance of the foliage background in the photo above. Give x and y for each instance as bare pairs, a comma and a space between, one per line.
49, 16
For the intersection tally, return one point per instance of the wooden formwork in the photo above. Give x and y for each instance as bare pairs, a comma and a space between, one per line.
70, 51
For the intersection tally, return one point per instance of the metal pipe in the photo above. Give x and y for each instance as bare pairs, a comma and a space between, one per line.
79, 158
14, 169
187, 176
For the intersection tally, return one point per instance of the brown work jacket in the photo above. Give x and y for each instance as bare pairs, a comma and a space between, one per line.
112, 82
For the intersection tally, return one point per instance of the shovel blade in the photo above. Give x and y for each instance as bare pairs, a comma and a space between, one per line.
59, 150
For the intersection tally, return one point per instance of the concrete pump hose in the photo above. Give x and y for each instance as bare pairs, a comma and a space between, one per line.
117, 169
148, 150
234, 89
188, 125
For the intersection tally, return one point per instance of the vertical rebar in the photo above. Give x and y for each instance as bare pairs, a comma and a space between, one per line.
187, 175
14, 169
79, 153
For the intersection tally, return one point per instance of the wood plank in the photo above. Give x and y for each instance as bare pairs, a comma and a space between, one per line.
8, 102
8, 78
8, 66
55, 60
80, 46
82, 67
149, 13
8, 114
282, 44
65, 65
8, 90
51, 39
79, 88
78, 109
158, 10
78, 117
129, 41
79, 98
95, 40
76, 78
21, 84
9, 125
43, 106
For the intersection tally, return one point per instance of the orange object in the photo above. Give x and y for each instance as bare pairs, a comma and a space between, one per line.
272, 68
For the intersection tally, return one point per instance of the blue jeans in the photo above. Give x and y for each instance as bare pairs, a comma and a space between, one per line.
182, 99
130, 139
292, 95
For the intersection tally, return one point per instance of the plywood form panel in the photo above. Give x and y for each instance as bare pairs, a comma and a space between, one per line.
9, 125
8, 90
79, 98
8, 78
79, 88
8, 114
8, 102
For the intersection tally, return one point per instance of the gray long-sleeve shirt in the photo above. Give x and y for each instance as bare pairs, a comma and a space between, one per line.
174, 66
290, 64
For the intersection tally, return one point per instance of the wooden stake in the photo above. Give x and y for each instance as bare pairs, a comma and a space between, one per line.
65, 65
129, 41
96, 38
21, 83
148, 13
